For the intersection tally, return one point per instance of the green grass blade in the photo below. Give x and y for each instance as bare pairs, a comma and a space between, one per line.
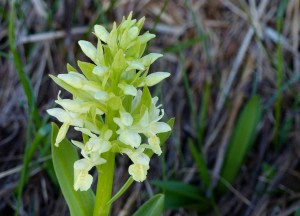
64, 156
279, 71
203, 113
189, 91
201, 165
181, 45
182, 195
33, 115
153, 207
241, 141
25, 81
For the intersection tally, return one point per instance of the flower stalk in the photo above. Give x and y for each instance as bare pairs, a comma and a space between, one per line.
104, 185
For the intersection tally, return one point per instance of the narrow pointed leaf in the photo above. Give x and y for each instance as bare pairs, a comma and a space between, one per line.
241, 141
182, 195
153, 207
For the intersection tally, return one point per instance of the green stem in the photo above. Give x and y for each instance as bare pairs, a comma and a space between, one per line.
104, 185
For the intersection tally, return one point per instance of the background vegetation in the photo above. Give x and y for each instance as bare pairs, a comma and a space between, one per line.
234, 91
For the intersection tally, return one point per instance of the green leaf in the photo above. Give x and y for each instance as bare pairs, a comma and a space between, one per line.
164, 136
112, 40
87, 70
76, 92
201, 164
70, 68
119, 64
64, 156
182, 195
153, 207
241, 141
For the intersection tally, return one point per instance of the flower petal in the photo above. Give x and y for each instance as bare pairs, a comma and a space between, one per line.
73, 79
146, 37
60, 114
155, 78
133, 32
101, 32
150, 58
130, 138
159, 127
100, 70
105, 146
126, 118
138, 172
82, 179
73, 105
78, 144
85, 131
61, 133
144, 121
139, 157
154, 143
135, 65
89, 49
128, 89
101, 95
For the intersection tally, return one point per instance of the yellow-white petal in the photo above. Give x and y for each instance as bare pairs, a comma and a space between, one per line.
60, 114
92, 145
154, 143
101, 32
73, 105
101, 95
85, 131
159, 127
78, 144
89, 49
61, 133
150, 58
133, 32
144, 121
82, 179
105, 146
146, 37
108, 134
73, 79
130, 138
128, 89
100, 70
126, 118
138, 157
155, 78
135, 65
138, 172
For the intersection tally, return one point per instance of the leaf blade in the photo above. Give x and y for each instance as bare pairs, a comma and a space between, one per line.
241, 140
153, 207
64, 156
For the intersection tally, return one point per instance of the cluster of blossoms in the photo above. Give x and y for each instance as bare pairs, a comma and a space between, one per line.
112, 106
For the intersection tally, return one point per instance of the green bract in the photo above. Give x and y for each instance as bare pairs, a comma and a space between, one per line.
112, 106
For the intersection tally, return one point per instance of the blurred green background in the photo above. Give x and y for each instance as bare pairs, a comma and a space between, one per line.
234, 91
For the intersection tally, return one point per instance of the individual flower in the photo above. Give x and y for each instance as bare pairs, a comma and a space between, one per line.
96, 145
67, 118
127, 133
138, 170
